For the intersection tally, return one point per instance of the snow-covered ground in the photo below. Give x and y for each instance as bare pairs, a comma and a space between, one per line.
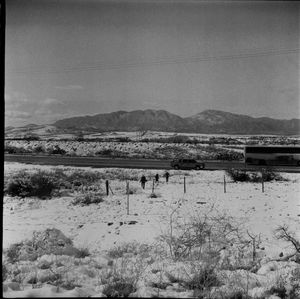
101, 226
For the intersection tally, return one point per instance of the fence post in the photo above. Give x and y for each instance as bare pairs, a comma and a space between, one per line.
107, 187
262, 183
224, 184
127, 191
153, 186
184, 186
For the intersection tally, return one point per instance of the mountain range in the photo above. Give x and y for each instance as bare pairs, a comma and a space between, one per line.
208, 121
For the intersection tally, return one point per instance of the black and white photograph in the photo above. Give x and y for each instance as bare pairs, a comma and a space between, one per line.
151, 149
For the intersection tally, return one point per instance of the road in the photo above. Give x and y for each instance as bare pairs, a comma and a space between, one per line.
98, 162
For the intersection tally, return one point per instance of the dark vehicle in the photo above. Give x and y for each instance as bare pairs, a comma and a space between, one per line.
272, 155
187, 164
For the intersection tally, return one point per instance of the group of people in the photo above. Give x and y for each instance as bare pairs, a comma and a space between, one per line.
143, 179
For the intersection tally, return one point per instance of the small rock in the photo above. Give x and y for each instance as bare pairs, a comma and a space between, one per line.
110, 223
281, 254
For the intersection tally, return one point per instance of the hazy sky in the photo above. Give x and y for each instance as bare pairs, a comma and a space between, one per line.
71, 57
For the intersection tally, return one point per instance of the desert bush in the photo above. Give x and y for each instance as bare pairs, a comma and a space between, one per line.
56, 151
119, 289
26, 184
76, 178
204, 237
88, 198
212, 152
31, 137
10, 149
265, 174
294, 284
4, 272
69, 284
269, 174
238, 175
82, 253
283, 233
50, 241
227, 155
121, 279
105, 152
12, 252
39, 149
201, 279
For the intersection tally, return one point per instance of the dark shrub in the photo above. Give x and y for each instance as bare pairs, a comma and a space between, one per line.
238, 175
32, 137
105, 152
4, 272
270, 175
118, 289
39, 149
265, 174
49, 241
57, 151
82, 253
37, 184
42, 186
229, 156
13, 252
15, 150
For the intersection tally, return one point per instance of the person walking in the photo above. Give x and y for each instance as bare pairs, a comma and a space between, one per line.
167, 176
156, 178
143, 181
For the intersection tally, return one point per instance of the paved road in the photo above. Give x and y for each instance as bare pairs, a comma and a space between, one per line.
98, 162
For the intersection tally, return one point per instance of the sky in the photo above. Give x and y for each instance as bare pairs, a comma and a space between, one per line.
67, 58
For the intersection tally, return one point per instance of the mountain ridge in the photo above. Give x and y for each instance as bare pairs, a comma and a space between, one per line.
208, 121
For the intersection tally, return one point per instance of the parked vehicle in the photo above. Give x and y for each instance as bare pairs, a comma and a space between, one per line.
187, 164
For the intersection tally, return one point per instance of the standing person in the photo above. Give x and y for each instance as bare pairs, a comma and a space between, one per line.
156, 178
167, 176
143, 181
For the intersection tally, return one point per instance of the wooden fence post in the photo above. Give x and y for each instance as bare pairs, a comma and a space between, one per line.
153, 186
262, 183
224, 184
107, 187
127, 191
184, 186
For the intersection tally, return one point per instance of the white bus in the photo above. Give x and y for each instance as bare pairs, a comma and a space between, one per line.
272, 155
